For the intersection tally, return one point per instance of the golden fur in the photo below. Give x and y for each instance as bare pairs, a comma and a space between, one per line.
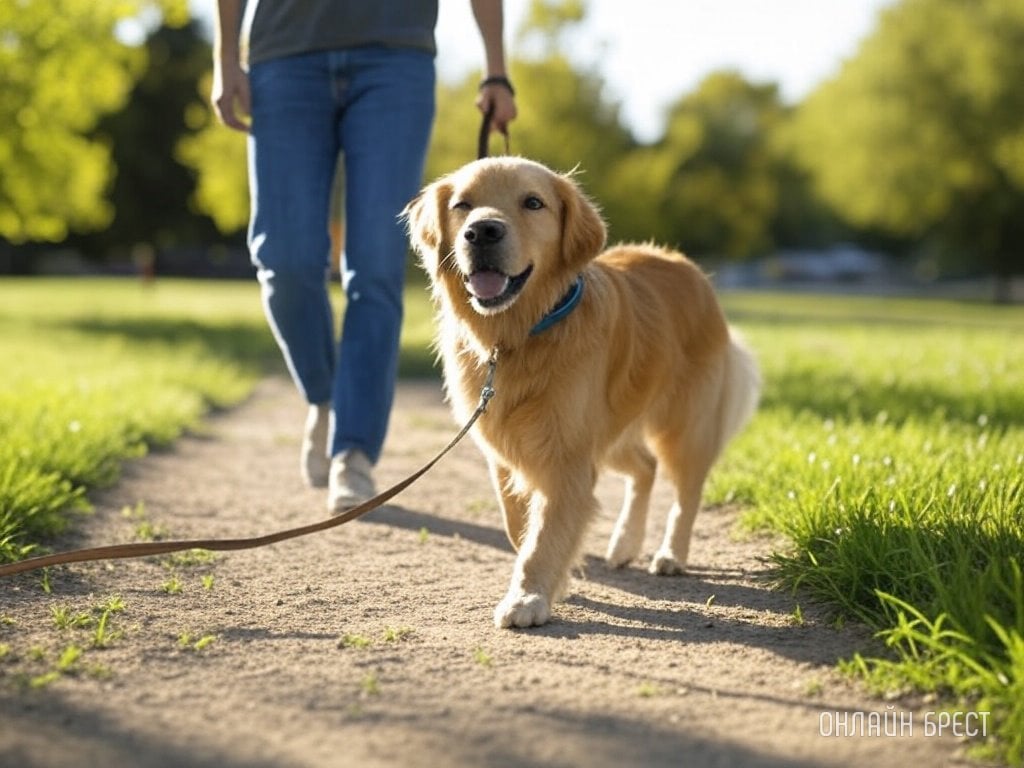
644, 372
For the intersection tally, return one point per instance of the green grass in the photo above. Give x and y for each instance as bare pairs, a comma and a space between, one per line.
96, 371
100, 370
889, 449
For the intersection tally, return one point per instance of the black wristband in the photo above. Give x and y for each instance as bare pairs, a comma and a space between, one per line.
498, 80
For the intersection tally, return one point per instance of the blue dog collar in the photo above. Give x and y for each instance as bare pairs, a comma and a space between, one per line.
562, 309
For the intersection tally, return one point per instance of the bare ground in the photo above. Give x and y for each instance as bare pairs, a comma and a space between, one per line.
373, 644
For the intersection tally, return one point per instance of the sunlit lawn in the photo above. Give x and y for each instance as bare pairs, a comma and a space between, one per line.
889, 448
97, 370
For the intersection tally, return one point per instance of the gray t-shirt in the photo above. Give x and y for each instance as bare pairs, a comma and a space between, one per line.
277, 28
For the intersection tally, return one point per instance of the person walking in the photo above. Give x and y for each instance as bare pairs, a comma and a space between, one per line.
312, 80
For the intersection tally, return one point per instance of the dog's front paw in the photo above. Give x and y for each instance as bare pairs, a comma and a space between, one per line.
665, 564
522, 609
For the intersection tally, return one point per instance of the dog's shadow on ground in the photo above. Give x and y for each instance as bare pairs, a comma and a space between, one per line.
707, 604
397, 516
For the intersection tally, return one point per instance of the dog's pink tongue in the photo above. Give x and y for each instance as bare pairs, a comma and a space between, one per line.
487, 285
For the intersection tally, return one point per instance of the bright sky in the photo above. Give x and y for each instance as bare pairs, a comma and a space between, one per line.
652, 51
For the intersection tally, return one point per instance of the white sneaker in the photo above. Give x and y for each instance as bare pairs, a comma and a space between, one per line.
314, 463
351, 481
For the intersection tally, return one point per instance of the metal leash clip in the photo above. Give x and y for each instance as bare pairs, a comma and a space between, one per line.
487, 391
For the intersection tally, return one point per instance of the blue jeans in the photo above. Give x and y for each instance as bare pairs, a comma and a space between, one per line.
375, 106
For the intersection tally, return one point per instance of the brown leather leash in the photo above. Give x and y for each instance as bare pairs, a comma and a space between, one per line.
145, 549
485, 134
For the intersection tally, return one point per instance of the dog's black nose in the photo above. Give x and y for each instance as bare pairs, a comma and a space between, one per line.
485, 232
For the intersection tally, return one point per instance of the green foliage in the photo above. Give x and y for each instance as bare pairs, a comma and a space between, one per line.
916, 144
63, 68
150, 191
355, 641
931, 657
547, 20
711, 185
81, 633
173, 586
396, 634
920, 133
187, 641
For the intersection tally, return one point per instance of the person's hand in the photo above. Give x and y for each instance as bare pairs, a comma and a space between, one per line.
501, 97
230, 95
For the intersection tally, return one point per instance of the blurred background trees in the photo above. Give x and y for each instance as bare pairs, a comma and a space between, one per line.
915, 146
150, 193
64, 66
922, 133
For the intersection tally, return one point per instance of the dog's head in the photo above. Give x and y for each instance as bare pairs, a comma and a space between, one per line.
504, 232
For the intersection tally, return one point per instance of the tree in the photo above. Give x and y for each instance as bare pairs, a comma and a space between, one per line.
710, 185
150, 190
63, 66
920, 133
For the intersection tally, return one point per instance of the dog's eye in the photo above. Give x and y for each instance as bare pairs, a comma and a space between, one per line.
462, 205
533, 203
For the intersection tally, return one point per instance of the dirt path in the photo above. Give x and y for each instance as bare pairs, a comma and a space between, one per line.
373, 644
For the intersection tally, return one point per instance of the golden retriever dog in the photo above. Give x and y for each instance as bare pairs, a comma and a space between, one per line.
620, 359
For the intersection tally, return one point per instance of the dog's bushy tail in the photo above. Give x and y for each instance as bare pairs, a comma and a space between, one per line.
742, 389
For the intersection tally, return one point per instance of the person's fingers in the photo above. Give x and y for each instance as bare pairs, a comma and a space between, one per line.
498, 98
231, 101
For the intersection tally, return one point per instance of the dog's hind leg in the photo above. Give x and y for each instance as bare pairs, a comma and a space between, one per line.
687, 471
639, 467
690, 451
514, 506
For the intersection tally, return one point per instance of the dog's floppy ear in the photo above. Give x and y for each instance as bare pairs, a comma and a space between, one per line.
425, 217
583, 230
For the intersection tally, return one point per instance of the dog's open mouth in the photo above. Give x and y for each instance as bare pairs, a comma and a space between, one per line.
492, 289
